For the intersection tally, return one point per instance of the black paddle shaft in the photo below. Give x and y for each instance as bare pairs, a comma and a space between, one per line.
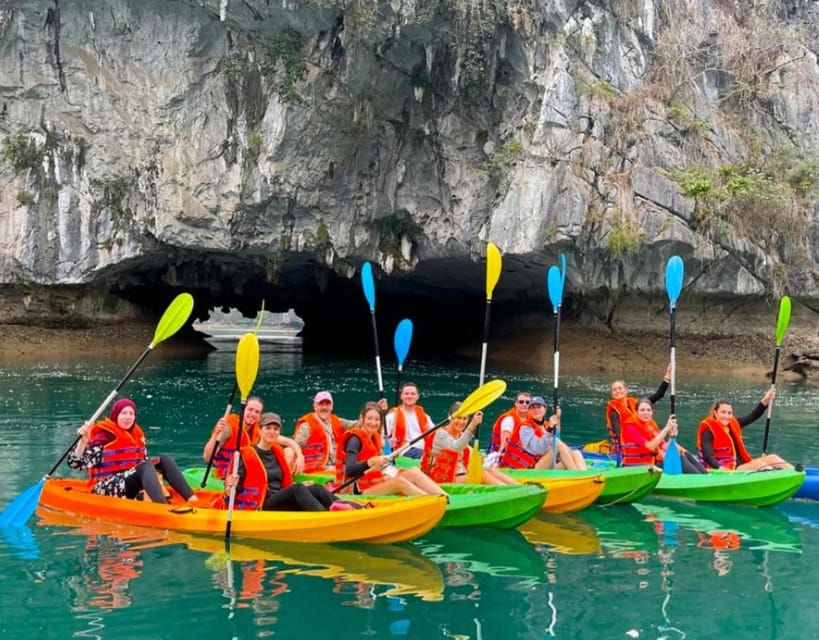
111, 396
768, 419
673, 361
216, 445
398, 451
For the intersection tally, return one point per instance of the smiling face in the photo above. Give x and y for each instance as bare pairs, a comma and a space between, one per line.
458, 424
371, 420
522, 404
723, 412
253, 409
126, 418
645, 411
409, 395
269, 434
619, 390
323, 409
537, 411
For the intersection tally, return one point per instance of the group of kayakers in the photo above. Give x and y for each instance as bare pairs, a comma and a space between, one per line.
357, 451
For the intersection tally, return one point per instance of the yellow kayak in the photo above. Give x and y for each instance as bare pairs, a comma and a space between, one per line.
566, 534
565, 495
403, 569
396, 521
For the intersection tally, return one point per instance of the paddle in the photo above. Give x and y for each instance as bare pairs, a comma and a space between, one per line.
554, 283
673, 286
247, 367
401, 341
474, 472
368, 285
782, 322
22, 507
229, 408
480, 398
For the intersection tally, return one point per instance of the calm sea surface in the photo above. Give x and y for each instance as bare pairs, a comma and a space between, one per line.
658, 569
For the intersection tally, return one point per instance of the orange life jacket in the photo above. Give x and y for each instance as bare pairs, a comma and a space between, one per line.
400, 427
516, 456
126, 450
443, 466
625, 408
317, 448
727, 448
370, 446
635, 452
224, 456
254, 488
495, 441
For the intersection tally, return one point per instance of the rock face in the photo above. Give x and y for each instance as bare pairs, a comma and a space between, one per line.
264, 148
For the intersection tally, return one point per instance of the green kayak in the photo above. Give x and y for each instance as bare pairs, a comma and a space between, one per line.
487, 505
623, 484
481, 505
753, 488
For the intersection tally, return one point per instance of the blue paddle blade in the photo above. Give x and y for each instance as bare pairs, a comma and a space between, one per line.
563, 269
672, 464
402, 340
674, 279
22, 507
368, 284
22, 541
554, 282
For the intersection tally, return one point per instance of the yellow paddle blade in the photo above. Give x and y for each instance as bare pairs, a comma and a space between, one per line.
493, 268
175, 316
481, 397
247, 364
474, 472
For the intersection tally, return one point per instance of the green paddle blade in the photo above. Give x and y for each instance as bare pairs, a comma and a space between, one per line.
481, 397
493, 268
783, 320
174, 318
247, 363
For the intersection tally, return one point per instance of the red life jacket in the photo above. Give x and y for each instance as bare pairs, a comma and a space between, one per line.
370, 446
516, 456
635, 452
625, 408
400, 426
443, 466
726, 448
254, 488
126, 450
224, 456
495, 442
317, 448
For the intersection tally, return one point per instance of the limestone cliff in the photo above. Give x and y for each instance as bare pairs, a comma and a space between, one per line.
263, 148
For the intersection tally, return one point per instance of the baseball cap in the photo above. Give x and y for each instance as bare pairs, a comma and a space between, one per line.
537, 400
270, 418
323, 396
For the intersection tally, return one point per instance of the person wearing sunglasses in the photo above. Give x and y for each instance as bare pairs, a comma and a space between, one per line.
506, 424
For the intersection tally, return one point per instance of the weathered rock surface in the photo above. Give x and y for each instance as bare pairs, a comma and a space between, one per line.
264, 148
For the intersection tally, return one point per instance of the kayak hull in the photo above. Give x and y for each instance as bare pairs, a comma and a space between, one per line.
758, 489
567, 495
623, 484
810, 487
397, 522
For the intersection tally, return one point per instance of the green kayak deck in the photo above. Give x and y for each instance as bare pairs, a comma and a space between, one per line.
623, 484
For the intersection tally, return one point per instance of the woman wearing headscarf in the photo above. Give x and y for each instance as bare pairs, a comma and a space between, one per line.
114, 453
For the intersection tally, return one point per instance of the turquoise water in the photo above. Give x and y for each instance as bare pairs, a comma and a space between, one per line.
658, 569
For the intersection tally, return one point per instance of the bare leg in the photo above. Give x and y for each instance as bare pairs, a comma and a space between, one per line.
771, 460
545, 461
494, 476
394, 486
422, 481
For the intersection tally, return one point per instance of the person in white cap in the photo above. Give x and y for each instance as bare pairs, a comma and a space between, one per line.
319, 432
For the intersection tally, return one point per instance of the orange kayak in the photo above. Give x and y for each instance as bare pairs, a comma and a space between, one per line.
396, 521
568, 494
